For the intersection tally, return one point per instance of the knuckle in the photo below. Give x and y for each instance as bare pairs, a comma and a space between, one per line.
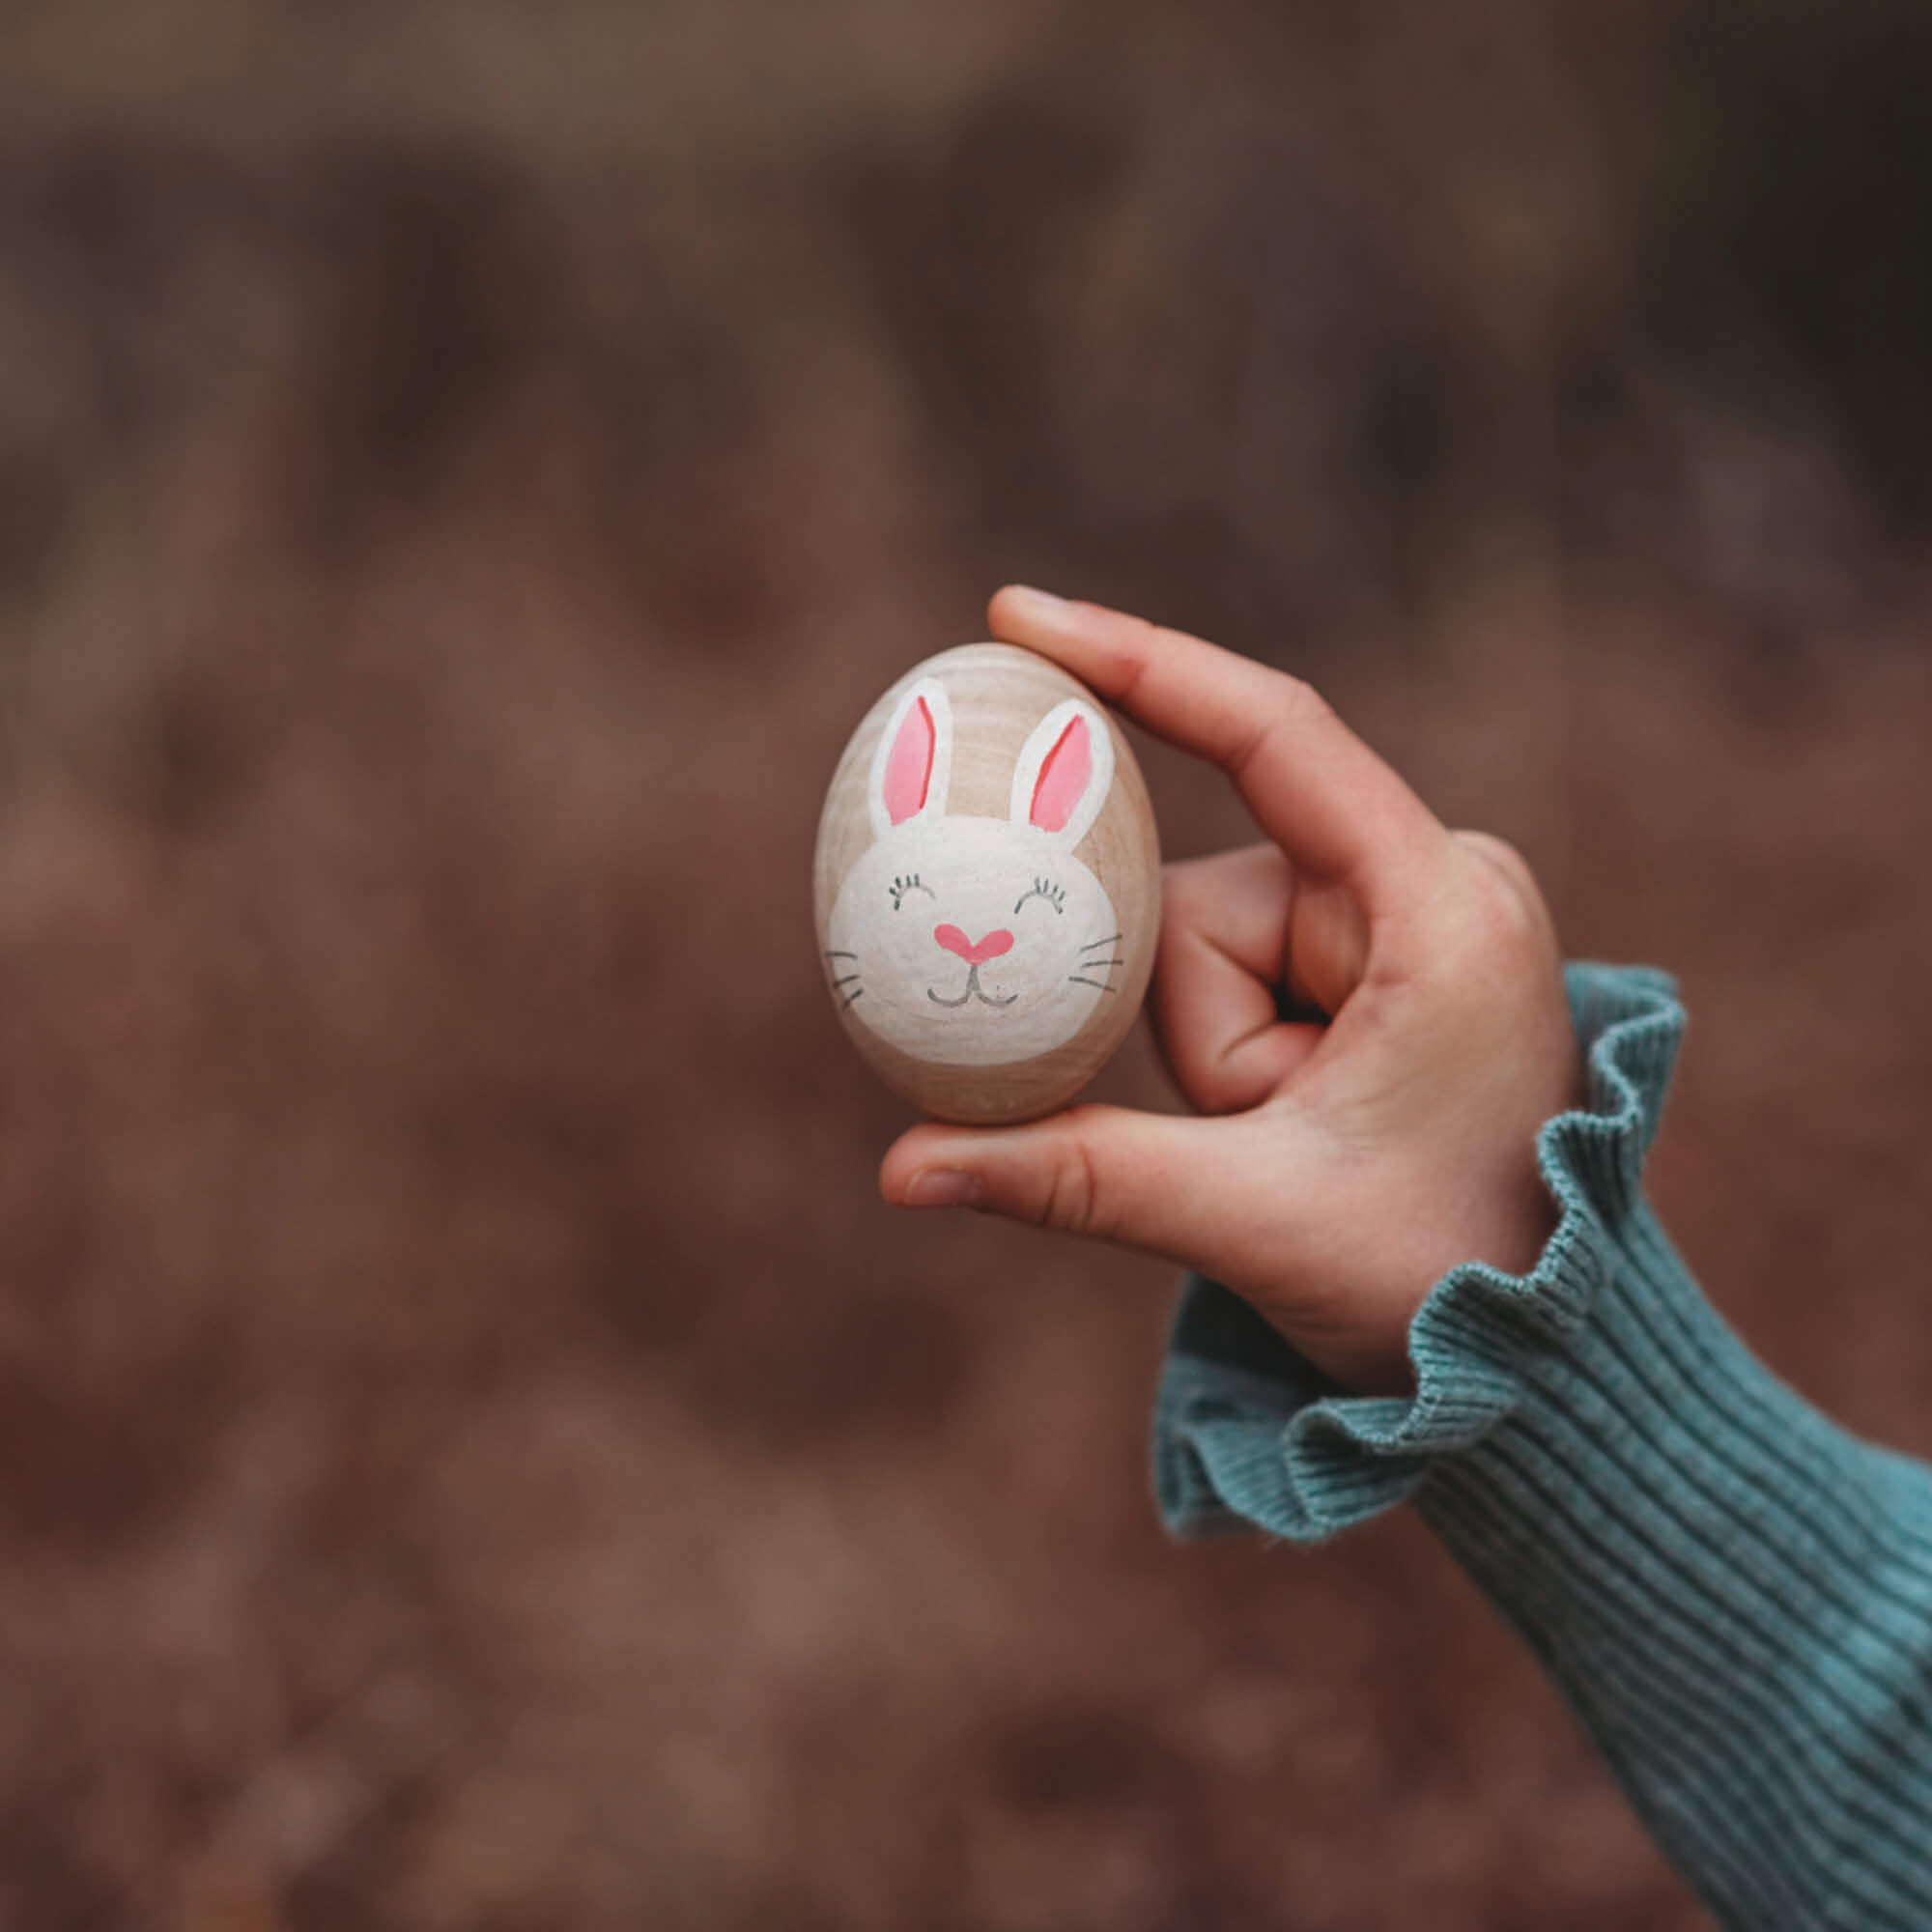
1075, 1201
1509, 934
1299, 707
1300, 700
1294, 709
1504, 857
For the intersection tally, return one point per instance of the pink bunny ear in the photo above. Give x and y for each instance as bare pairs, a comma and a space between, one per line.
1065, 774
912, 765
908, 773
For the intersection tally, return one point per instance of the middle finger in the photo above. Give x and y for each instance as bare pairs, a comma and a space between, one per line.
1224, 946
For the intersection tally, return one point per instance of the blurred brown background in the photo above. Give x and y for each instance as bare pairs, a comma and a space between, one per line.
473, 1451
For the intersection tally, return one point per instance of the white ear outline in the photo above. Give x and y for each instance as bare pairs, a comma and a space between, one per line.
939, 779
1044, 737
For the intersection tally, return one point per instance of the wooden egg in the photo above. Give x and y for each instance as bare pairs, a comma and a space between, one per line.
987, 886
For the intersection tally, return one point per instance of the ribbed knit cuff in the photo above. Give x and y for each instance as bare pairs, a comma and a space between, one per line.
1247, 1432
1735, 1595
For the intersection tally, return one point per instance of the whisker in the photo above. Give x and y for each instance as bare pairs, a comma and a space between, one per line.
856, 993
833, 953
1088, 945
1074, 979
1094, 965
848, 979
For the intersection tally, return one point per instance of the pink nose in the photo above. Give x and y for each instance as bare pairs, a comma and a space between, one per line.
989, 948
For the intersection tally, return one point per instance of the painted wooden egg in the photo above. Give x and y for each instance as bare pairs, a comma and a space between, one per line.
987, 886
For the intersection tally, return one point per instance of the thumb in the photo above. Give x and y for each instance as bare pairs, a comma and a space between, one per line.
1155, 1182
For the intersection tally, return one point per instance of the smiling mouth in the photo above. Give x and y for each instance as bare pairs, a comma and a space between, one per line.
972, 992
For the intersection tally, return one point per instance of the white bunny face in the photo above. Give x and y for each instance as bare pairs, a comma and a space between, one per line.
976, 941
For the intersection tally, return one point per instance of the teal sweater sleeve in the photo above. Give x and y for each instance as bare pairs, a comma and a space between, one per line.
1734, 1594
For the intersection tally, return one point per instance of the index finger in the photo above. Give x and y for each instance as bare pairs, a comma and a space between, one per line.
1327, 800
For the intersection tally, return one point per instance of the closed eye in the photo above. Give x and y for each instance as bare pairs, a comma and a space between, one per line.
1044, 889
910, 883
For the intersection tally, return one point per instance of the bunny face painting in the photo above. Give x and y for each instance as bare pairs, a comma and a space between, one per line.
978, 941
987, 886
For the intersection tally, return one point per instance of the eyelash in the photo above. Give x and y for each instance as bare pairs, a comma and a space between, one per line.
911, 883
1044, 889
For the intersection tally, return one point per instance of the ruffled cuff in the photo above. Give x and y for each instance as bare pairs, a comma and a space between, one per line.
1247, 1432
1734, 1594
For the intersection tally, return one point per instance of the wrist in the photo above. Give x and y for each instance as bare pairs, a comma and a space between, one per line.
1255, 1428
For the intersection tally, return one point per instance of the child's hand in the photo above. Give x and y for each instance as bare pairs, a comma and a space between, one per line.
1351, 1163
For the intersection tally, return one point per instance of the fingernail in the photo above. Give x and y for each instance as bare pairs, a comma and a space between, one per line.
1041, 603
942, 1187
